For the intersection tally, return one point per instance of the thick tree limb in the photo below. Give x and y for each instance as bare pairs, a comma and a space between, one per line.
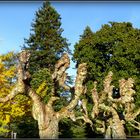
51, 101
95, 99
32, 94
86, 119
117, 124
19, 87
108, 88
136, 122
61, 66
84, 106
62, 82
64, 60
59, 74
79, 88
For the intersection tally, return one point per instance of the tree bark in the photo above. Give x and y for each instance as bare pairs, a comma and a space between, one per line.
108, 133
115, 124
51, 132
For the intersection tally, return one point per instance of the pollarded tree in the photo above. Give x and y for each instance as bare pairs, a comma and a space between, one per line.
48, 119
114, 47
46, 43
112, 120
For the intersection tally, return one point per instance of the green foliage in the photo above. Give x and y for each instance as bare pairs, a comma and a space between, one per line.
70, 129
46, 42
42, 83
64, 128
58, 104
129, 129
78, 131
25, 127
115, 47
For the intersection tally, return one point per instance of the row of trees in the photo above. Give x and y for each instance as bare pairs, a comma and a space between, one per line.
40, 98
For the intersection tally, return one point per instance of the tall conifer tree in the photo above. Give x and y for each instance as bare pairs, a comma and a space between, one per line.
46, 42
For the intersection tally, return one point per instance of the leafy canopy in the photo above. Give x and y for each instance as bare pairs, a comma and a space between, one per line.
115, 47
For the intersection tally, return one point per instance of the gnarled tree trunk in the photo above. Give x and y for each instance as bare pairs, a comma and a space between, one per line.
115, 127
52, 129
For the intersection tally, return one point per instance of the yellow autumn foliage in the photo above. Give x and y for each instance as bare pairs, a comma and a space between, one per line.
16, 107
42, 89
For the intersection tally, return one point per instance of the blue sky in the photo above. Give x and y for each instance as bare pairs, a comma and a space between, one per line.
16, 18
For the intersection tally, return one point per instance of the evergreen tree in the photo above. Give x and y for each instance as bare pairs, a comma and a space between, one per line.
46, 42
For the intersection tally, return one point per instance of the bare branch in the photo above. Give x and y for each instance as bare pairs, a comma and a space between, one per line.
95, 99
51, 101
136, 122
84, 105
101, 129
60, 74
86, 119
108, 88
61, 66
134, 126
107, 83
131, 116
19, 88
79, 88
62, 82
